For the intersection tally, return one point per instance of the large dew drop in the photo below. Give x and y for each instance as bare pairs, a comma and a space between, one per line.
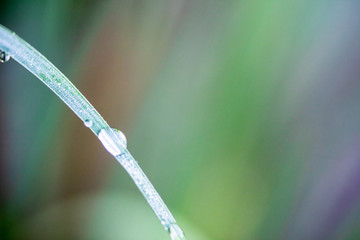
175, 232
4, 57
110, 143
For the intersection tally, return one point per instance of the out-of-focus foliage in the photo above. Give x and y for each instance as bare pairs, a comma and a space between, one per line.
244, 114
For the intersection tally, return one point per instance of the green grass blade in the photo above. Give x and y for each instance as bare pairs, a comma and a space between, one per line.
113, 141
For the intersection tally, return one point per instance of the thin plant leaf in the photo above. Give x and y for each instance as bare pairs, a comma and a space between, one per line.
113, 140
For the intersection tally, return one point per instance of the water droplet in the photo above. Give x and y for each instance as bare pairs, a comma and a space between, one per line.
175, 232
121, 136
109, 143
58, 83
88, 123
4, 57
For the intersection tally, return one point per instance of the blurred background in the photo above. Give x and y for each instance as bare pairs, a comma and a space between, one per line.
244, 115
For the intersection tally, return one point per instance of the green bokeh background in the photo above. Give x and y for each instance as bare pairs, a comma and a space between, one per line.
244, 115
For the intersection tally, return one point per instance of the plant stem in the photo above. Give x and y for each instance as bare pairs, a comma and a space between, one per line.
42, 68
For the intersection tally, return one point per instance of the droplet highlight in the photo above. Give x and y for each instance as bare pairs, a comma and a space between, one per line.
88, 123
4, 57
110, 143
175, 232
121, 136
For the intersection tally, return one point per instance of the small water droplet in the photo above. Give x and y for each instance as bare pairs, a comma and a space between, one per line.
121, 136
4, 57
58, 83
88, 123
175, 232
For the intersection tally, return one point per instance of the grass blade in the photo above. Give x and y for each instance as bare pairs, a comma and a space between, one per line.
115, 142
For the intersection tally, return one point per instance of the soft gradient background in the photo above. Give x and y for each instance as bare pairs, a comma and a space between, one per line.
245, 115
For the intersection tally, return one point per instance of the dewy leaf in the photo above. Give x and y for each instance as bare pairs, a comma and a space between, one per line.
113, 140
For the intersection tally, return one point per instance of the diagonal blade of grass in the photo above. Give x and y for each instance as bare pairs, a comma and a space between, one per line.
13, 46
